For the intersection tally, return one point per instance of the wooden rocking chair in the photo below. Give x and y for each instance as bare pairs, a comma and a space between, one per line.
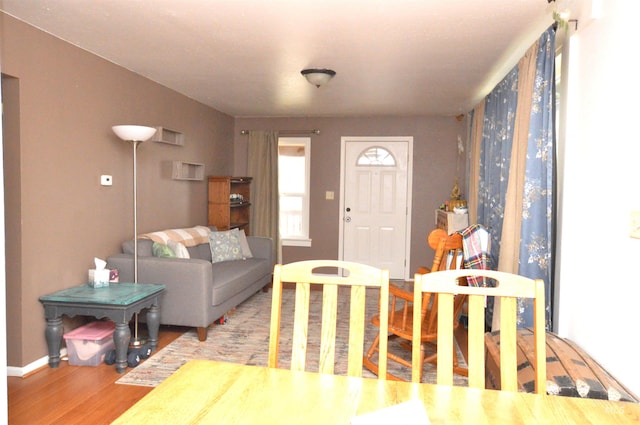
448, 255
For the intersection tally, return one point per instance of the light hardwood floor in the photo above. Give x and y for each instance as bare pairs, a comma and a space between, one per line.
86, 395
75, 394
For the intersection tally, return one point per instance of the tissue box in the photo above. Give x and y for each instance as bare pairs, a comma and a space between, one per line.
88, 344
99, 278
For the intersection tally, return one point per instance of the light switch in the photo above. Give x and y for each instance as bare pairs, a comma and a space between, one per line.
328, 195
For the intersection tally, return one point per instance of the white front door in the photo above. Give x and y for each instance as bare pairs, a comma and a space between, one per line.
376, 202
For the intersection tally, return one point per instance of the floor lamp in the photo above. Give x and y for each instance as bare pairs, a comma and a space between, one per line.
135, 134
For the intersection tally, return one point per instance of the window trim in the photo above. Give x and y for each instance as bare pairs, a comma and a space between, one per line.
304, 241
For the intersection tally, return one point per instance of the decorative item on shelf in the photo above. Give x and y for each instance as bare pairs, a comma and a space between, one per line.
318, 77
236, 198
458, 205
460, 210
135, 134
456, 202
455, 192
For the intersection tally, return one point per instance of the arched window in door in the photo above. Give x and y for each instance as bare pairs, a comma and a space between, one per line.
376, 156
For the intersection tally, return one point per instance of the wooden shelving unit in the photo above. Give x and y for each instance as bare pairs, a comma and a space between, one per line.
224, 212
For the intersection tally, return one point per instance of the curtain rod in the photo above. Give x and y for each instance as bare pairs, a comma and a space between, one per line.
245, 132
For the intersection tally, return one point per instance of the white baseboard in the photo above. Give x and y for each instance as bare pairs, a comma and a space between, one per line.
25, 370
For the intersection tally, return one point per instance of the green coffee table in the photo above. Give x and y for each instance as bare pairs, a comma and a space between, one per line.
117, 302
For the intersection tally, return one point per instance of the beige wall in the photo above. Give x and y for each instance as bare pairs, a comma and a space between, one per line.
13, 265
597, 302
435, 152
63, 102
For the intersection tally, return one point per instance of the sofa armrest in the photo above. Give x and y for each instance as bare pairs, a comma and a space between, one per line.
261, 247
187, 280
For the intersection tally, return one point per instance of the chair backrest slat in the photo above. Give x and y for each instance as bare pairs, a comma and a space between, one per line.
508, 288
300, 327
305, 274
475, 345
356, 330
328, 331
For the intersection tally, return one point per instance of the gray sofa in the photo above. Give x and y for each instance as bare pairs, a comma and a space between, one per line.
198, 292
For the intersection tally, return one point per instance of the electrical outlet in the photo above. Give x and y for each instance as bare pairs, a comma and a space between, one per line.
634, 230
328, 195
106, 180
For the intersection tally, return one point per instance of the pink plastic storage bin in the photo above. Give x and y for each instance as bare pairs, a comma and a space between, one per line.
88, 344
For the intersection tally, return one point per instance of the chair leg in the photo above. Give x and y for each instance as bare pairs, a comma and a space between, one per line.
374, 347
369, 364
406, 345
366, 361
456, 367
423, 355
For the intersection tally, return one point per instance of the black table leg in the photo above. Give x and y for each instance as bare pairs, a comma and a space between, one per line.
53, 334
121, 338
153, 325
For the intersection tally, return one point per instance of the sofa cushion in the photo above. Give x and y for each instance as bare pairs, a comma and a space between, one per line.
201, 252
145, 247
232, 277
225, 246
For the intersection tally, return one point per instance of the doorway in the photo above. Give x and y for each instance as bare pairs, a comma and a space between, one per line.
375, 202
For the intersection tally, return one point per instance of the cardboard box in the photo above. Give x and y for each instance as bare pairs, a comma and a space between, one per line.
450, 221
88, 344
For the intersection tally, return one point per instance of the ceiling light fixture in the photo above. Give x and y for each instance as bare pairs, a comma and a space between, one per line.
318, 77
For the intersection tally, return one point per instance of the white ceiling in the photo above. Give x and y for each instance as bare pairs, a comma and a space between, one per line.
244, 57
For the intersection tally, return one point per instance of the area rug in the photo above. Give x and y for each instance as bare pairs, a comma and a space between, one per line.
244, 339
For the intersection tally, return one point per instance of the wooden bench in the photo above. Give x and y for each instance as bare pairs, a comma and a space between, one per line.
570, 371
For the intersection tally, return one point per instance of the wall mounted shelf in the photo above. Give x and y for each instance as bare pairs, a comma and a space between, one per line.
182, 170
170, 137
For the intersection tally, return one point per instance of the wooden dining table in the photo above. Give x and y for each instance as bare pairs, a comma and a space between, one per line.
214, 392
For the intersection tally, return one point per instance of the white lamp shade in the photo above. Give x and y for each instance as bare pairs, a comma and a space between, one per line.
134, 133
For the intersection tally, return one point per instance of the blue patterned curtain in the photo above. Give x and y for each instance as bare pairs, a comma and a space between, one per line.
495, 158
536, 236
536, 245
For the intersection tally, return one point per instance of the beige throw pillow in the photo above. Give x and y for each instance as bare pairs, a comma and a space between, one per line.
246, 251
